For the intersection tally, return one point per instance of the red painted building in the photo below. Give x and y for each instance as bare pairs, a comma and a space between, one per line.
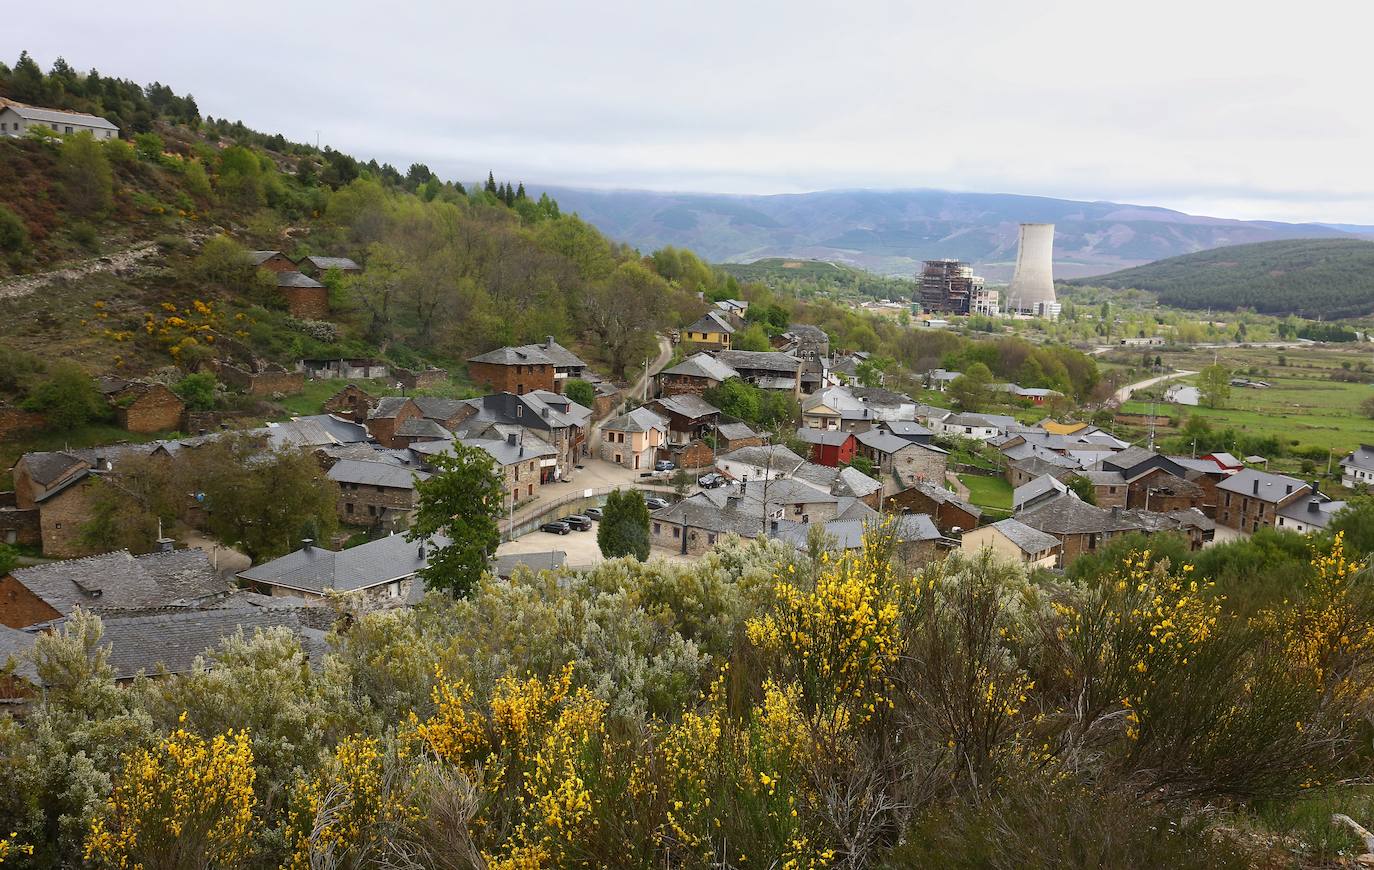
829, 446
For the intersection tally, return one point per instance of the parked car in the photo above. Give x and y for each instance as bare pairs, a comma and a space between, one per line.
556, 527
594, 513
655, 503
578, 521
664, 465
710, 481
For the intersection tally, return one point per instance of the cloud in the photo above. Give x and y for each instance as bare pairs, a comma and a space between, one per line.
1216, 107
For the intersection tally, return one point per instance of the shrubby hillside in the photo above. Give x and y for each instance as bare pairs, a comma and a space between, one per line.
1314, 278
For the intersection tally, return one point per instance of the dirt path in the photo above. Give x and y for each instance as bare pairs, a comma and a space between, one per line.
959, 489
1124, 393
129, 258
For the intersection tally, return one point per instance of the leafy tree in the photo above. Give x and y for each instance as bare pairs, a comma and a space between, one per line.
622, 313
624, 528
197, 181
149, 146
864, 464
87, 179
751, 337
263, 498
970, 389
240, 178
1083, 488
461, 502
580, 392
197, 391
67, 397
117, 521
735, 398
1367, 407
9, 558
1214, 385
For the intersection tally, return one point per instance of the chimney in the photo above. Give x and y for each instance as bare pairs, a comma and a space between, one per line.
510, 438
1256, 491
548, 341
774, 526
166, 545
1314, 506
1116, 512
421, 550
1288, 489
743, 486
306, 543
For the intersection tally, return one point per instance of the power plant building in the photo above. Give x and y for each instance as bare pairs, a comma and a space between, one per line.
1032, 284
950, 287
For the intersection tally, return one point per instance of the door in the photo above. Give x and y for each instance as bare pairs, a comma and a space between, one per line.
636, 461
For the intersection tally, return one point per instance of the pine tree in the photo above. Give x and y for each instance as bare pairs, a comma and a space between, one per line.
520, 191
491, 183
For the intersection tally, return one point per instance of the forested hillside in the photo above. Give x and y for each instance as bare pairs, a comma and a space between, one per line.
1316, 278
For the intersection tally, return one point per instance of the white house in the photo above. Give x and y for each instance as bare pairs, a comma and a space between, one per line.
16, 119
769, 462
1358, 468
980, 426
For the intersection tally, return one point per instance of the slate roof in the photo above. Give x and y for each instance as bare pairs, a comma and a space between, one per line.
849, 534
638, 420
907, 430
257, 258
313, 432
387, 407
760, 360
700, 512
940, 495
506, 453
1131, 457
513, 356
341, 430
173, 641
422, 427
994, 421
711, 322
884, 442
438, 407
735, 431
296, 279
16, 645
825, 437
47, 468
1069, 515
324, 264
316, 569
687, 405
759, 456
854, 483
1204, 466
1363, 458
1312, 511
821, 477
122, 580
1028, 539
56, 116
1034, 489
1272, 487
702, 365
374, 474
1226, 460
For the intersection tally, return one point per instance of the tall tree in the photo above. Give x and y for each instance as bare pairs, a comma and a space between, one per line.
624, 529
491, 183
87, 180
1214, 385
461, 502
970, 389
623, 312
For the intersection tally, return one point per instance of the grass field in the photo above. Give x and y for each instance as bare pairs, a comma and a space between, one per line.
993, 493
1299, 411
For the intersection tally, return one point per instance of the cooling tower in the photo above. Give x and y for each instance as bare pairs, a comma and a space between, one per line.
1033, 281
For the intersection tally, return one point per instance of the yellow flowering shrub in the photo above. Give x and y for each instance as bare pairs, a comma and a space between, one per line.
186, 796
11, 846
341, 809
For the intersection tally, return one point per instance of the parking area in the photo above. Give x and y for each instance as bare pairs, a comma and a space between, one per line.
581, 547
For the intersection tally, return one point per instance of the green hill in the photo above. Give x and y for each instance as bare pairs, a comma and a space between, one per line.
1316, 278
803, 278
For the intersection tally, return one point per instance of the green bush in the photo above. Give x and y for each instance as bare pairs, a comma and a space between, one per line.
14, 235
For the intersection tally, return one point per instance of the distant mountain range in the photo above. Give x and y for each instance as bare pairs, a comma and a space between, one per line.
890, 232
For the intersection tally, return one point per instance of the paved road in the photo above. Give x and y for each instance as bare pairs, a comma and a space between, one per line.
1125, 392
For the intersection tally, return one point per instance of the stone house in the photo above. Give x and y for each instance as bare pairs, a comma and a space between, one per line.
356, 368
421, 379
550, 416
57, 487
108, 582
1023, 471
634, 439
529, 368
1013, 541
147, 408
767, 370
1357, 469
1160, 490
375, 494
317, 266
384, 571
18, 526
689, 417
906, 461
352, 402
945, 509
1251, 500
306, 298
386, 415
694, 375
732, 436
266, 380
1082, 528
521, 458
758, 462
272, 261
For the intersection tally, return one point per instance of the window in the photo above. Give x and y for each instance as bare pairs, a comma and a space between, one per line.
710, 539
531, 489
658, 528
372, 510
677, 532
379, 488
59, 525
348, 507
69, 129
520, 409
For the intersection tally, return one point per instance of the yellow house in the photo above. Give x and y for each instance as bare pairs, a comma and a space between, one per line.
633, 439
712, 330
1014, 541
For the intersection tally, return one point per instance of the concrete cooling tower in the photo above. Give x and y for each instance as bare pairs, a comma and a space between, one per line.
1033, 281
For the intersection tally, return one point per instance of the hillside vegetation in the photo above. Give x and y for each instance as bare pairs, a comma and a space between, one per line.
1318, 278
805, 278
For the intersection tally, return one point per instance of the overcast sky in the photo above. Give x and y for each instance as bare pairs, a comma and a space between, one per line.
1234, 109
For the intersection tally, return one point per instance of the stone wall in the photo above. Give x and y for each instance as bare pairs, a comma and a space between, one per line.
307, 303
19, 607
264, 383
917, 463
362, 504
20, 526
61, 518
148, 408
14, 421
421, 380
